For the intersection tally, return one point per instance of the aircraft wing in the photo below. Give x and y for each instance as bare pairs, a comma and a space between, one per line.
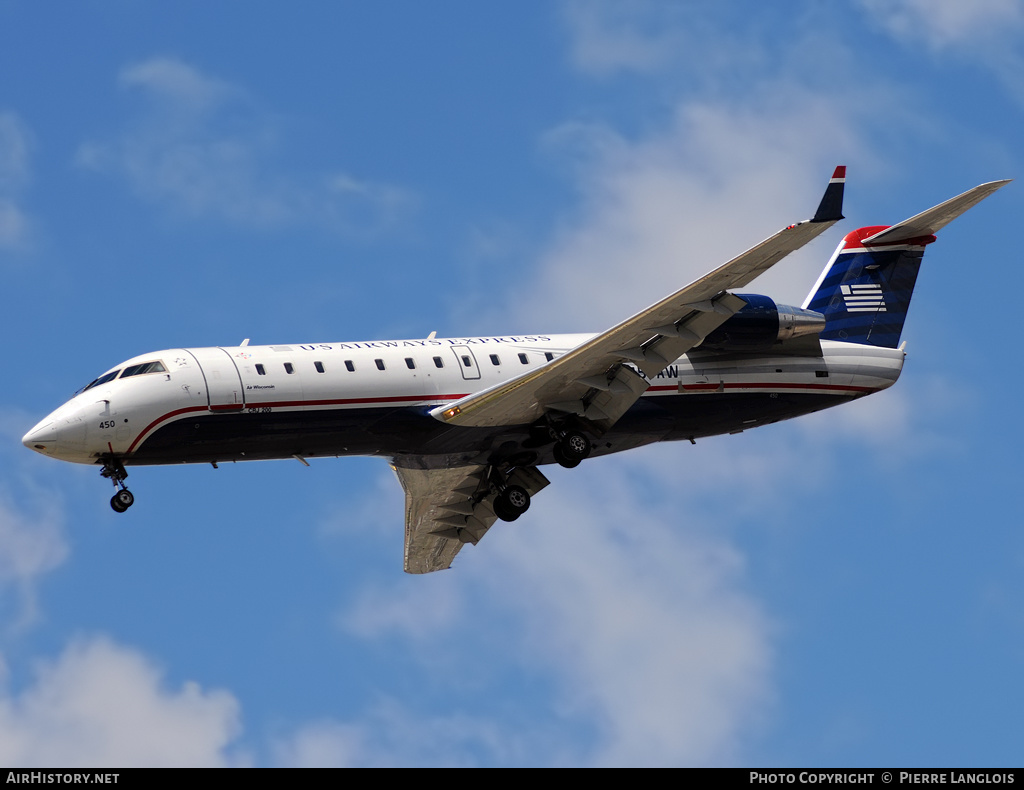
593, 380
449, 507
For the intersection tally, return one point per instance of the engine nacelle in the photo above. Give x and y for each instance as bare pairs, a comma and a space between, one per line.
762, 323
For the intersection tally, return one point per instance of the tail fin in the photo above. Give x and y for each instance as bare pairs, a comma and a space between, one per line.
864, 291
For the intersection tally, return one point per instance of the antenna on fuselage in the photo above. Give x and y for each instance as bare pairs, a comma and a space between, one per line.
432, 335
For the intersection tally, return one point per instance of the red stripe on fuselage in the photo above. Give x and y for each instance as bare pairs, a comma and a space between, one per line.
349, 401
159, 420
712, 387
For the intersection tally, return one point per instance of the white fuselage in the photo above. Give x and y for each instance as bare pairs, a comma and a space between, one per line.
119, 417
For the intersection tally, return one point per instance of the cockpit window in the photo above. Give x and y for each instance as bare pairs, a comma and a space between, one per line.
146, 367
101, 380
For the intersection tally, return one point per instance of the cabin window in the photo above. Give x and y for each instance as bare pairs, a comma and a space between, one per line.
494, 360
821, 374
410, 363
260, 370
523, 359
289, 368
379, 363
350, 366
548, 356
319, 367
145, 367
467, 361
438, 362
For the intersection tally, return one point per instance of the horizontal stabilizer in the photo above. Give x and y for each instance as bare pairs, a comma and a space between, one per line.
865, 290
927, 223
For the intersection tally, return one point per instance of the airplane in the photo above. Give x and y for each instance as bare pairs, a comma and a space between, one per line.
467, 422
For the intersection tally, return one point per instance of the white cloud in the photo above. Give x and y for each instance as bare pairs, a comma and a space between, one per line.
628, 35
323, 744
626, 604
102, 704
98, 703
901, 424
181, 85
391, 735
423, 616
985, 31
15, 172
14, 152
14, 224
948, 23
663, 209
643, 619
638, 617
625, 591
29, 548
202, 149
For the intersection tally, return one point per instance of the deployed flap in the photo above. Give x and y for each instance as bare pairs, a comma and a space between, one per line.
595, 380
447, 508
929, 222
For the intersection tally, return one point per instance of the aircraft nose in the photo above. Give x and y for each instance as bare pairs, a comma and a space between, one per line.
56, 435
41, 437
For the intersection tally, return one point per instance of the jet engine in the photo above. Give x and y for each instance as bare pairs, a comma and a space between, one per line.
762, 323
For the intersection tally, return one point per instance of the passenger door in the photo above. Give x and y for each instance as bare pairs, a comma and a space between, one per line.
224, 390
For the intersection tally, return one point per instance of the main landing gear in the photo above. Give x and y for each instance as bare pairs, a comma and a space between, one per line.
114, 471
512, 499
511, 503
571, 447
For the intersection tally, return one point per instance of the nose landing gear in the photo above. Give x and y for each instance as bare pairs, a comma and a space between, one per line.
114, 471
122, 500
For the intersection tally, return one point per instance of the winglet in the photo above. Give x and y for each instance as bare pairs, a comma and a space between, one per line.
831, 207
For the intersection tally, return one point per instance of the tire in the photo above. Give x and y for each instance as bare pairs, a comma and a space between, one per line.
574, 445
517, 498
125, 498
562, 460
511, 503
503, 510
115, 503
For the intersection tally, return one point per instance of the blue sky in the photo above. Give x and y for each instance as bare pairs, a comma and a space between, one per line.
844, 589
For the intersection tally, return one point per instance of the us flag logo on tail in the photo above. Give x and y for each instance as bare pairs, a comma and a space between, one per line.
865, 298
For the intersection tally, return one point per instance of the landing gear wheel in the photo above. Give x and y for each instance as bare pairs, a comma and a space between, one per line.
517, 497
504, 511
511, 503
562, 460
114, 471
572, 447
122, 500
